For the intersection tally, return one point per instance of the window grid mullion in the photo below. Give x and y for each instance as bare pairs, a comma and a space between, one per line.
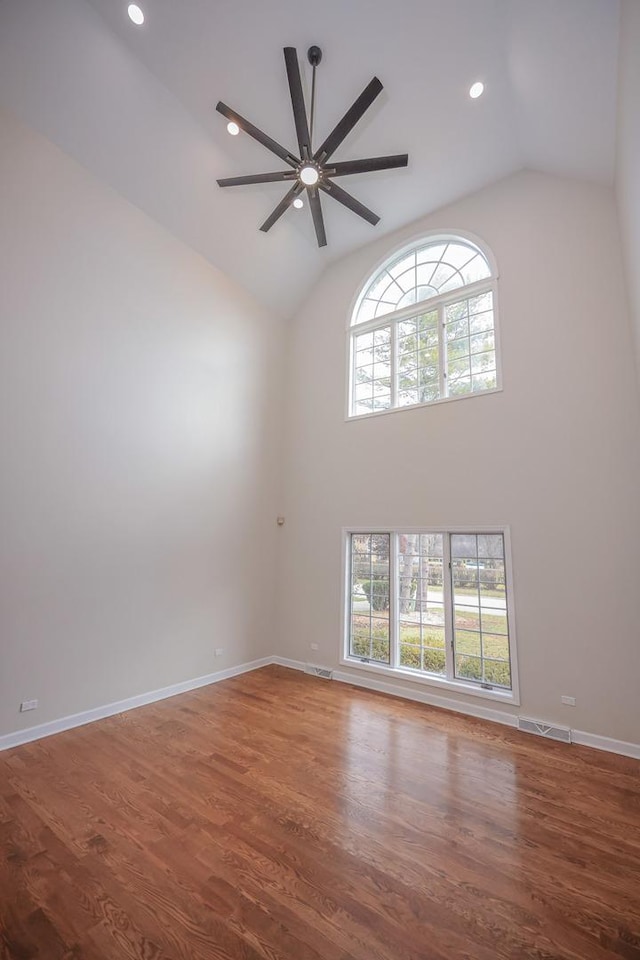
442, 353
395, 327
394, 608
419, 598
348, 645
371, 589
480, 628
447, 586
353, 373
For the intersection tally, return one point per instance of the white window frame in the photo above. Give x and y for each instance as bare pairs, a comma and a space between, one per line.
415, 310
393, 669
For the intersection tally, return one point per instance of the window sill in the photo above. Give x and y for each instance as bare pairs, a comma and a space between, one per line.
419, 406
455, 686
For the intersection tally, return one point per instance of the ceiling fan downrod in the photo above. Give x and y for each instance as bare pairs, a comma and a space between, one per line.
314, 56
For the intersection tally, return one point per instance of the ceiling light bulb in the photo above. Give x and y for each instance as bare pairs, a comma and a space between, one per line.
233, 128
298, 203
135, 14
309, 176
476, 90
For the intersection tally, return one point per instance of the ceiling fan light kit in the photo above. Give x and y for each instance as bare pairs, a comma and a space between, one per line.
309, 170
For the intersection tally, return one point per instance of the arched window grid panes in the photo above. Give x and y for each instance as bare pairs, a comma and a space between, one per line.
414, 342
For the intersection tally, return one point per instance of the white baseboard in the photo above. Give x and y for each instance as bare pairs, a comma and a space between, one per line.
423, 696
579, 737
110, 709
291, 664
594, 740
420, 695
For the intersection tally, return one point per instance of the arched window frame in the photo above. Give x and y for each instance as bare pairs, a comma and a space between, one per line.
437, 303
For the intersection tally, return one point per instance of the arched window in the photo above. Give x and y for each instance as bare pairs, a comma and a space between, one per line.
423, 328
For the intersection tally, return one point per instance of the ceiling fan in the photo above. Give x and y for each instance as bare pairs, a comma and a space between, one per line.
312, 170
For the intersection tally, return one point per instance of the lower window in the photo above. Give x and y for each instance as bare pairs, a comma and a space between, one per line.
434, 604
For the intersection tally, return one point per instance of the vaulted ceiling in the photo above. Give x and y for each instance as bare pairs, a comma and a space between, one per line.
136, 106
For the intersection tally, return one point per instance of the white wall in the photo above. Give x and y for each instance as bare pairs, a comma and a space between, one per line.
628, 155
554, 455
140, 438
139, 399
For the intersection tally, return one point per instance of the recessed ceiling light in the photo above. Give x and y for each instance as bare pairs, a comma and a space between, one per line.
476, 90
233, 128
135, 14
298, 203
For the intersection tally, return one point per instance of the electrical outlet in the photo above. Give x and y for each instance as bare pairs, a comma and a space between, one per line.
569, 701
314, 646
28, 705
219, 651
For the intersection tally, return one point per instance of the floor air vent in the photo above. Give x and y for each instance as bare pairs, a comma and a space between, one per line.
314, 671
551, 732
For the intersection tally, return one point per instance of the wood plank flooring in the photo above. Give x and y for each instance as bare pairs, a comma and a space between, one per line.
280, 817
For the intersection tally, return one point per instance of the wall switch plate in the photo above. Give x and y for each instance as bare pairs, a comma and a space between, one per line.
314, 646
569, 701
28, 705
219, 651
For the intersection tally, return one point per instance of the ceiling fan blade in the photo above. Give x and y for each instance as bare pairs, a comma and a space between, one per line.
297, 102
348, 122
318, 219
366, 166
348, 201
282, 207
257, 178
258, 135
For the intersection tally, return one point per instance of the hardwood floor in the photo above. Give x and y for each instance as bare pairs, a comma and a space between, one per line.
279, 816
